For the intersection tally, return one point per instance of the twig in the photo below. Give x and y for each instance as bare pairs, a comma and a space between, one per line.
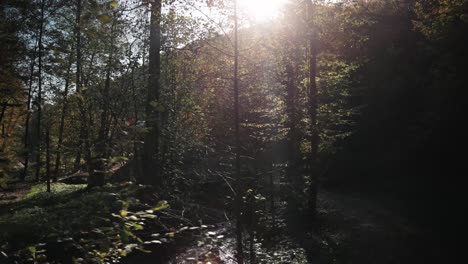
225, 180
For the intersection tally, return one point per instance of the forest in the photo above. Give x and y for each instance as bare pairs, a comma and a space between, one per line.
231, 131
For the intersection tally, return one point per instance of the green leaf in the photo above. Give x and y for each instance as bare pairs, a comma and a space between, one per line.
143, 250
154, 103
124, 236
134, 225
105, 19
33, 251
163, 204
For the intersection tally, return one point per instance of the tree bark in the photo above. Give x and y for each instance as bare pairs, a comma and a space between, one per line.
48, 157
28, 116
239, 245
78, 45
83, 118
151, 157
39, 94
313, 105
4, 107
62, 119
294, 176
97, 173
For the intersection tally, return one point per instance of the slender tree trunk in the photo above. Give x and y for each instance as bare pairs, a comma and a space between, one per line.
48, 157
272, 198
251, 242
137, 167
97, 173
77, 162
151, 155
28, 116
240, 251
313, 114
4, 107
78, 45
104, 128
293, 174
39, 94
82, 134
86, 132
62, 119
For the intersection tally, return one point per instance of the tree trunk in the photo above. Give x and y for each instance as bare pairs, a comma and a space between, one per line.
78, 45
39, 94
62, 119
97, 173
151, 159
137, 168
77, 162
48, 157
28, 116
240, 251
294, 176
313, 114
4, 107
82, 144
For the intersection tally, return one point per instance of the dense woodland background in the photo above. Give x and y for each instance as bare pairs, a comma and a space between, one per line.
123, 122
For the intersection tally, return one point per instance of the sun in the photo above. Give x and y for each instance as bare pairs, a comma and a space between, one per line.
261, 10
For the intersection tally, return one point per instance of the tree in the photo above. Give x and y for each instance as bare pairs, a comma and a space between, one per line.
313, 106
151, 150
240, 251
58, 159
39, 85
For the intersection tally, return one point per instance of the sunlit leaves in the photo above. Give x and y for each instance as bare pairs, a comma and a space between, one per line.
123, 213
114, 4
161, 205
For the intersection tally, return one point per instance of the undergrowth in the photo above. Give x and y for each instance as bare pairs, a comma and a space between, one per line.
86, 225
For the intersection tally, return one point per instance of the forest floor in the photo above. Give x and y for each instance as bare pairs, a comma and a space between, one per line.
14, 192
350, 228
358, 229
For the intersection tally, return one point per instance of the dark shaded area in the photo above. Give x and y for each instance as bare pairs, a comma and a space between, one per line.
405, 153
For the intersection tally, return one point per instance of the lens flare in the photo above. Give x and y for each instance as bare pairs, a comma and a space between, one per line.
261, 10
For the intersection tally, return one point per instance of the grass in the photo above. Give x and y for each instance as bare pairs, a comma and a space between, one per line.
41, 214
67, 212
56, 189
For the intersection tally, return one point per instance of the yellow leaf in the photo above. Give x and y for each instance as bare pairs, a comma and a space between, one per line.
114, 4
123, 213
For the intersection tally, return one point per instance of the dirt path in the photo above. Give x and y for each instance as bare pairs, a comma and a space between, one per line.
353, 229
